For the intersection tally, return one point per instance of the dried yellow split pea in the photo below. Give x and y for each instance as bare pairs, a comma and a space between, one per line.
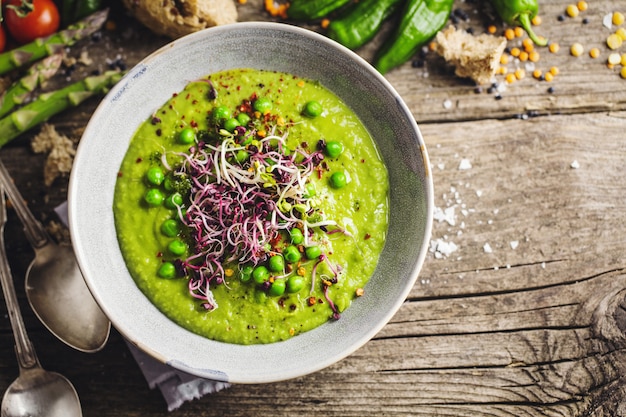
576, 49
614, 41
614, 59
572, 10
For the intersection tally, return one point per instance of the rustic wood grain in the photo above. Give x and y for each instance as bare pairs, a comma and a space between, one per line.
525, 318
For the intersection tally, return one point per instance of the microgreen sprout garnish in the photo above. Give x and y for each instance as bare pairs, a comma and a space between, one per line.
246, 192
327, 282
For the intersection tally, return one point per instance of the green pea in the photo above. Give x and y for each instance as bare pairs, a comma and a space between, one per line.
242, 156
154, 197
174, 200
177, 247
168, 184
262, 105
260, 274
312, 252
231, 124
221, 114
170, 228
338, 180
312, 109
309, 191
296, 236
277, 288
334, 148
167, 270
243, 119
187, 136
276, 263
294, 284
291, 254
155, 176
246, 273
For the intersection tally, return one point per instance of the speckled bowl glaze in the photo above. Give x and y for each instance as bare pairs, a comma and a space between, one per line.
270, 46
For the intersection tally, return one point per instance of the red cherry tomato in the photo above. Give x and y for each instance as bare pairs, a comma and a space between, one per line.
43, 20
3, 39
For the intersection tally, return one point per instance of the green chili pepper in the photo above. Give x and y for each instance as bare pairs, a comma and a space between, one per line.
520, 12
361, 22
421, 20
313, 9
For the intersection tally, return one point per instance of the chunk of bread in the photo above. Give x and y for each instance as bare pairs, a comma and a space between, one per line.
60, 151
176, 18
473, 56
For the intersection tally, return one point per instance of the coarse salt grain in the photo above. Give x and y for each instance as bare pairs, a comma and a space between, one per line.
442, 248
465, 164
574, 165
446, 215
487, 248
514, 244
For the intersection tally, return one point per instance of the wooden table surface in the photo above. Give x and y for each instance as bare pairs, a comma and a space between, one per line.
520, 307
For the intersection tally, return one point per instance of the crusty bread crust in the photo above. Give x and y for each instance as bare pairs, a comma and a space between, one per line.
474, 56
181, 17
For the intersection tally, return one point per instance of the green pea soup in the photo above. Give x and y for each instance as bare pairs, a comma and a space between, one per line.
246, 312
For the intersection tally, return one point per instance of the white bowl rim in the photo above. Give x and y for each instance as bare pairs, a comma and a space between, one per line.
213, 371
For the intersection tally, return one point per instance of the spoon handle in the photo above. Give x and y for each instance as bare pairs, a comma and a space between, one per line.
23, 346
35, 232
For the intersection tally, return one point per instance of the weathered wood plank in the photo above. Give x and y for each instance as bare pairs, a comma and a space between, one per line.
521, 189
531, 339
534, 328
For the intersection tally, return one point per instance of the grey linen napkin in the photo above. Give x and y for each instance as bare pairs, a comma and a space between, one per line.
176, 386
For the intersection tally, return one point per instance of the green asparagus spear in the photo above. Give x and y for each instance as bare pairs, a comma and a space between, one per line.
49, 104
23, 89
42, 47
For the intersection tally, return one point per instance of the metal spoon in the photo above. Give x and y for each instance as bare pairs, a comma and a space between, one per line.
55, 287
35, 392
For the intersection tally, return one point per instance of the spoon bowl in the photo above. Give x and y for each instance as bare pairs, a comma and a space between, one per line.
37, 392
61, 300
55, 287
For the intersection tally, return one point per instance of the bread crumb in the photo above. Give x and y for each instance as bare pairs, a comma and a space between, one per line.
59, 233
85, 59
60, 150
474, 56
